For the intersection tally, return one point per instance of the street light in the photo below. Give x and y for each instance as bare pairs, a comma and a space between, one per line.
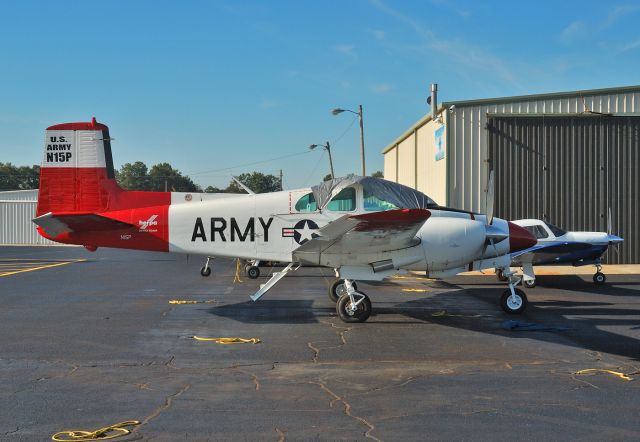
359, 114
326, 147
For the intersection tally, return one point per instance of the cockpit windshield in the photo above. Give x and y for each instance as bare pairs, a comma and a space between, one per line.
557, 231
374, 204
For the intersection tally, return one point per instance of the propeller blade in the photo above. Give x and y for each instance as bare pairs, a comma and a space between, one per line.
488, 205
609, 222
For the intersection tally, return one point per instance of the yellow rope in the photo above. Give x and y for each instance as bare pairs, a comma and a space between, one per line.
100, 434
236, 278
416, 290
601, 370
226, 341
182, 301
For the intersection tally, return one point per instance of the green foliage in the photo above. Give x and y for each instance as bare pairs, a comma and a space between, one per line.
256, 181
19, 177
159, 178
378, 174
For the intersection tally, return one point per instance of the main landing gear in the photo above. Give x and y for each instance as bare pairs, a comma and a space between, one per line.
252, 270
338, 289
206, 269
599, 278
353, 306
513, 301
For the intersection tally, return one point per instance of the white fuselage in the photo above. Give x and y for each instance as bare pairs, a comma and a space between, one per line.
268, 227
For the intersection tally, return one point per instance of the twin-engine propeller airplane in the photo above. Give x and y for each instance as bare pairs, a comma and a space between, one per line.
557, 246
365, 228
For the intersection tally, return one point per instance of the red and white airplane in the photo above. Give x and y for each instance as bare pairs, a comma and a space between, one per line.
365, 228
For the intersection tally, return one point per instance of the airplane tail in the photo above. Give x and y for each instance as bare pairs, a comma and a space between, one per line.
80, 202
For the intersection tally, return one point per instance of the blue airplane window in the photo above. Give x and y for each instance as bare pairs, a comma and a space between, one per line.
307, 203
345, 201
374, 204
557, 231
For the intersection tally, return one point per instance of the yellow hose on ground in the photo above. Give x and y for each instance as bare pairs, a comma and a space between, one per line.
236, 278
183, 301
227, 341
602, 370
100, 434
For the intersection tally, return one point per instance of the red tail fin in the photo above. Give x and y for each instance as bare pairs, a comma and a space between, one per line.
77, 173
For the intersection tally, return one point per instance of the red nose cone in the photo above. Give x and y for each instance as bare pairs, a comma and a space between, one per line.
520, 238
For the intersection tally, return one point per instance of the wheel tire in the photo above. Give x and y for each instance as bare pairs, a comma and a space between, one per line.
529, 284
513, 307
599, 278
360, 315
338, 289
501, 276
253, 272
205, 271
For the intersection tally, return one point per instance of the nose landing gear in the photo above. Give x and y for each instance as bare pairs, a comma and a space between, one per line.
599, 278
513, 301
206, 269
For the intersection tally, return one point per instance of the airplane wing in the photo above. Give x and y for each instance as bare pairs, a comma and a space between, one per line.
56, 223
546, 253
369, 232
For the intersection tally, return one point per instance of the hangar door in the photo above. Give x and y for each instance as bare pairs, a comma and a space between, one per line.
569, 170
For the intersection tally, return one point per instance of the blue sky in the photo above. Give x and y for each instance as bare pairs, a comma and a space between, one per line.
210, 85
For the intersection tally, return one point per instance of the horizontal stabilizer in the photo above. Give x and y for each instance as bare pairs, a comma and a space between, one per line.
55, 224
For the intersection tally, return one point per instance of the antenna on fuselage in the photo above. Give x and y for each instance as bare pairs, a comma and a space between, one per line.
239, 183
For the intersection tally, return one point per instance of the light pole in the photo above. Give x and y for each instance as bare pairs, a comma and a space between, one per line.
359, 114
326, 147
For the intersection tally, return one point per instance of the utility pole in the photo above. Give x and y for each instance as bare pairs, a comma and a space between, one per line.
330, 161
364, 173
281, 189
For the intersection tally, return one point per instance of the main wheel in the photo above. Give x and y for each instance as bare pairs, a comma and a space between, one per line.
338, 289
529, 284
253, 272
205, 271
501, 276
599, 278
348, 313
513, 305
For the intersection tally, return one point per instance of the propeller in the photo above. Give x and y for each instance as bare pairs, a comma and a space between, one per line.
609, 222
489, 199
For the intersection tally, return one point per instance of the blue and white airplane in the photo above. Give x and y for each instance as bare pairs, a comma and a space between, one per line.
557, 246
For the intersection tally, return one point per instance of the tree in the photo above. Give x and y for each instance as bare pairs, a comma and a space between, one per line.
256, 181
378, 174
327, 177
19, 177
211, 189
133, 176
164, 177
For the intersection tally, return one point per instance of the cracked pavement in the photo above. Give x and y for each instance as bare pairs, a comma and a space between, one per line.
94, 343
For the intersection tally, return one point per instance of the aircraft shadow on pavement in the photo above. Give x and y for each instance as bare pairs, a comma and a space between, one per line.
586, 320
273, 311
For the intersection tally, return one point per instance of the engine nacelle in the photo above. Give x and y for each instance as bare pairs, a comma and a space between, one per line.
451, 242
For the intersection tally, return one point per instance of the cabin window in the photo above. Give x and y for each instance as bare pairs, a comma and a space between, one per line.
538, 231
557, 231
307, 203
374, 204
345, 201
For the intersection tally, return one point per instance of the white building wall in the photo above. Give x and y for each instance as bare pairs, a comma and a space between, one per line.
17, 209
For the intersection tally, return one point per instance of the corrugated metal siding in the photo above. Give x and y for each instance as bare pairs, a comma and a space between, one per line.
570, 171
16, 226
467, 155
19, 195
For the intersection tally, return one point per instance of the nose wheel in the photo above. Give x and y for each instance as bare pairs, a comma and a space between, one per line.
353, 306
513, 301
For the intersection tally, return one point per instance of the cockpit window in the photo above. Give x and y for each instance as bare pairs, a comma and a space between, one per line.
557, 231
374, 204
307, 203
345, 201
538, 231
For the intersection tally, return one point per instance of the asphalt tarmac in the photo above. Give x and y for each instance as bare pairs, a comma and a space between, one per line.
86, 344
